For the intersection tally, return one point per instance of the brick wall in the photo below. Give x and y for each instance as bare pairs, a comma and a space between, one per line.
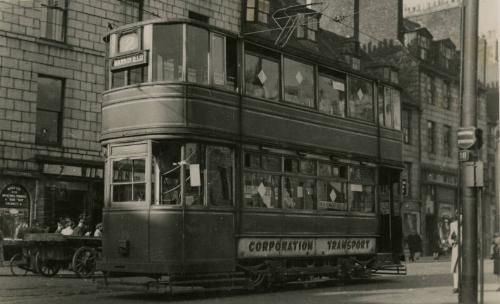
79, 61
380, 19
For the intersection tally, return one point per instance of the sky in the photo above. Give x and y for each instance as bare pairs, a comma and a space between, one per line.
488, 11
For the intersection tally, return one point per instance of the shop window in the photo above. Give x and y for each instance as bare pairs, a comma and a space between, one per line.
431, 137
167, 53
219, 176
299, 83
360, 99
197, 55
131, 10
128, 180
261, 190
332, 95
257, 10
262, 76
53, 20
49, 110
224, 61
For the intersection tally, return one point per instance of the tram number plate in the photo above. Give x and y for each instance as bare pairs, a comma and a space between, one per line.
288, 247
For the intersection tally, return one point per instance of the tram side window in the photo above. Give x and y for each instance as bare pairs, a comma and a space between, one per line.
197, 45
262, 76
167, 52
219, 176
167, 158
332, 187
262, 188
129, 183
224, 61
360, 99
331, 95
361, 189
299, 192
299, 83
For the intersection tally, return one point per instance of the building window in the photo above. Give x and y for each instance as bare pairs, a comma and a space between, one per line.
447, 141
426, 87
308, 27
360, 99
406, 180
262, 75
49, 110
132, 10
446, 94
423, 44
53, 20
258, 10
299, 82
431, 143
406, 123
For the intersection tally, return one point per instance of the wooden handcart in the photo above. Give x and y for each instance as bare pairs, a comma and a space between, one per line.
47, 253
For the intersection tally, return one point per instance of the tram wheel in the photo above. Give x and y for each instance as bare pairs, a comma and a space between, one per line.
83, 263
19, 265
47, 268
259, 277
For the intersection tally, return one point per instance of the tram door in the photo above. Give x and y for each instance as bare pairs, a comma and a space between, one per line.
391, 224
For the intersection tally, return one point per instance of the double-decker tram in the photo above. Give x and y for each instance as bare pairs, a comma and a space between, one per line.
231, 161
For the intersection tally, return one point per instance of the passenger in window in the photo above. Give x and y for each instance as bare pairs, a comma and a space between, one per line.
219, 178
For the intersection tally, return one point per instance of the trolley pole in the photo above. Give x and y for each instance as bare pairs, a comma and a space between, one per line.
468, 286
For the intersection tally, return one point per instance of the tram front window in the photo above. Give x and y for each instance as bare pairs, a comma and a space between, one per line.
129, 182
166, 159
205, 168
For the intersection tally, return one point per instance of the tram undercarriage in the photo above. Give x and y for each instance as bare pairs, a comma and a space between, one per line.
263, 274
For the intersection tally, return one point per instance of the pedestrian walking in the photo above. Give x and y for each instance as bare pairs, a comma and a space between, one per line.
454, 241
495, 256
414, 244
1, 249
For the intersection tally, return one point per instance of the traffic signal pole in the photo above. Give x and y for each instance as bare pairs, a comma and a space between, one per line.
469, 288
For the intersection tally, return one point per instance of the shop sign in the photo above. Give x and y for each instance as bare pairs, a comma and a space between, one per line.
14, 196
129, 60
296, 247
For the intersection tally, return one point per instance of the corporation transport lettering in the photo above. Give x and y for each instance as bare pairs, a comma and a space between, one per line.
290, 246
348, 244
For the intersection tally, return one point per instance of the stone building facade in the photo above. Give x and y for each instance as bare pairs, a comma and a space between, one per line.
51, 76
428, 62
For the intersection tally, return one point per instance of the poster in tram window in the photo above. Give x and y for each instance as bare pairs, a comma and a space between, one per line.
14, 196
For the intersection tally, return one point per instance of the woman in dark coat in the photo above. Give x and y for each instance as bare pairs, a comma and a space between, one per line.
495, 255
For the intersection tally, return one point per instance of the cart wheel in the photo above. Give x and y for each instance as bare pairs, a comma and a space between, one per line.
19, 265
47, 268
83, 263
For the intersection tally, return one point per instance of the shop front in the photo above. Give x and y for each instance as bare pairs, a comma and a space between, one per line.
440, 199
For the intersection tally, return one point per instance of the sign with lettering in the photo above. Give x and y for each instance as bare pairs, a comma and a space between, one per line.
14, 196
129, 60
292, 247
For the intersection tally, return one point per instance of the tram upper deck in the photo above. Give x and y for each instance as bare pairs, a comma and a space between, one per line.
181, 78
